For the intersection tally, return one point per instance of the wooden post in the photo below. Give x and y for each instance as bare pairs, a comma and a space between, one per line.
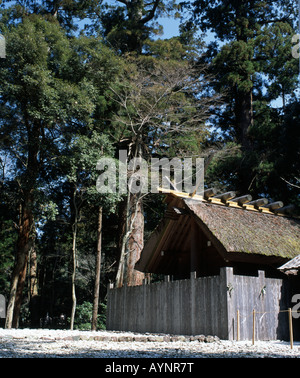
194, 246
238, 326
291, 328
253, 330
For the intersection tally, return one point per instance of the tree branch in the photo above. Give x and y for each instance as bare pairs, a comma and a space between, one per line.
289, 183
151, 13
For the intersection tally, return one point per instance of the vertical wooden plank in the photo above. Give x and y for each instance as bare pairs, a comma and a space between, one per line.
238, 325
127, 309
116, 313
176, 307
145, 324
291, 328
187, 317
135, 307
169, 312
227, 290
185, 308
148, 311
193, 300
214, 306
262, 329
253, 327
203, 305
158, 308
108, 307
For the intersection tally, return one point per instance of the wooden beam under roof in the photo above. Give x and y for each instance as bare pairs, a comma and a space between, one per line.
228, 199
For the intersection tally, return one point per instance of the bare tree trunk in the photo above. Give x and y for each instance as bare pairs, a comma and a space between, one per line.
73, 277
74, 262
122, 260
135, 243
33, 286
19, 294
132, 244
33, 297
133, 236
98, 272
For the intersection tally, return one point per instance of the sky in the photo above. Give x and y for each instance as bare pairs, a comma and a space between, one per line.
171, 27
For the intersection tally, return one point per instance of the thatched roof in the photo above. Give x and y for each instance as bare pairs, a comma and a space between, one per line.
238, 232
292, 266
245, 231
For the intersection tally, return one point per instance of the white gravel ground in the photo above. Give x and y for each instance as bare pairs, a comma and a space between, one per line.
28, 343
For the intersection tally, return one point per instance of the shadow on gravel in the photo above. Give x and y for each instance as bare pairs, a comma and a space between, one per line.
15, 350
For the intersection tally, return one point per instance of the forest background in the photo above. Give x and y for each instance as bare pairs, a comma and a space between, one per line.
84, 79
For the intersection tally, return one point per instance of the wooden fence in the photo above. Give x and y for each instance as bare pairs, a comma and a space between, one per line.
206, 305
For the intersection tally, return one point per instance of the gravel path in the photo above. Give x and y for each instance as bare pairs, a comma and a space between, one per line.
43, 343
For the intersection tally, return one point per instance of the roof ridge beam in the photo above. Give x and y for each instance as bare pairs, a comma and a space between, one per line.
273, 206
223, 197
241, 200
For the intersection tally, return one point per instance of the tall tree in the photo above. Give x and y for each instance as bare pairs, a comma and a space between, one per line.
126, 28
34, 80
67, 12
255, 39
80, 162
161, 102
129, 25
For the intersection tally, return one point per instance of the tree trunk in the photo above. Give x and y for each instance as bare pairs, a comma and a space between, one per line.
26, 224
73, 278
19, 294
34, 299
132, 243
244, 118
19, 271
98, 272
74, 262
133, 235
135, 243
33, 287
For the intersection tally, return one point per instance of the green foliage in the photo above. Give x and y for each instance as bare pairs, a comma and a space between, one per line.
128, 24
235, 58
83, 317
253, 64
69, 99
